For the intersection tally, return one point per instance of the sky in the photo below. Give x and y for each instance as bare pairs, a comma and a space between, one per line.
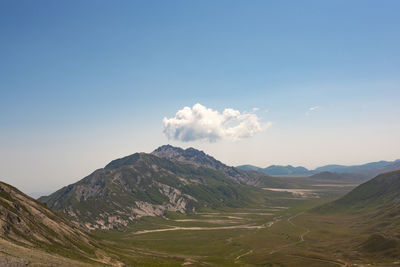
249, 82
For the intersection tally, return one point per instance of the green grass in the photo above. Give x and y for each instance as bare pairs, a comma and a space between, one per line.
298, 237
215, 247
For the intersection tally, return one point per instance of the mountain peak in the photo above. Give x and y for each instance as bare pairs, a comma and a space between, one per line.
171, 151
198, 158
190, 154
168, 150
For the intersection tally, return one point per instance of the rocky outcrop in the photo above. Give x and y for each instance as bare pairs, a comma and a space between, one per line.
177, 201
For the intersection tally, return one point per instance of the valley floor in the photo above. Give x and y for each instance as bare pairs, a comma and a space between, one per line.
265, 236
280, 234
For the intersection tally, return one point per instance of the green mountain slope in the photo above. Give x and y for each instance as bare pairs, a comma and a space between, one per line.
370, 214
382, 192
169, 179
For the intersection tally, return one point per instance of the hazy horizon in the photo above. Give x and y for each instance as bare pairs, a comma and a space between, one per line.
264, 83
37, 193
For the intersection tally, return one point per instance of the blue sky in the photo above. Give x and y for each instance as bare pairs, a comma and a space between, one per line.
84, 82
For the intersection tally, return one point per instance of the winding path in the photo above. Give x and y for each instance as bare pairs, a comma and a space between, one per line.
242, 255
301, 236
176, 228
320, 260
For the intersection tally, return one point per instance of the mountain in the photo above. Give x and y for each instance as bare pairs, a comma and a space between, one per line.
168, 179
372, 172
363, 172
200, 159
357, 168
30, 232
277, 170
285, 170
250, 168
381, 193
371, 215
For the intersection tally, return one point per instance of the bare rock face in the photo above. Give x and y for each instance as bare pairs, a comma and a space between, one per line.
177, 201
169, 179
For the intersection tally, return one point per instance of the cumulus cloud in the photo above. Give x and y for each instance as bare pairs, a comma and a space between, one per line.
202, 123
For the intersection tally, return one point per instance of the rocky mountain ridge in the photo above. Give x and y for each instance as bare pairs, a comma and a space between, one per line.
169, 179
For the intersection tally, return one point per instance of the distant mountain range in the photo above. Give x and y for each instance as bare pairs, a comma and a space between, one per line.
379, 165
368, 170
168, 179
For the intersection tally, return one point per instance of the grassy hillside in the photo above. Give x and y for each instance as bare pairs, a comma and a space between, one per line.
364, 223
382, 192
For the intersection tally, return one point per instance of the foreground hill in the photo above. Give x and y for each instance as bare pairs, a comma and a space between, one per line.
370, 214
380, 193
169, 179
30, 232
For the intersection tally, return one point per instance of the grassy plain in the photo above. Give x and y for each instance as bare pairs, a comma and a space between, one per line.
277, 232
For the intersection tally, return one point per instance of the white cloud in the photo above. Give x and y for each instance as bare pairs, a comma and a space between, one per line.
201, 123
311, 109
